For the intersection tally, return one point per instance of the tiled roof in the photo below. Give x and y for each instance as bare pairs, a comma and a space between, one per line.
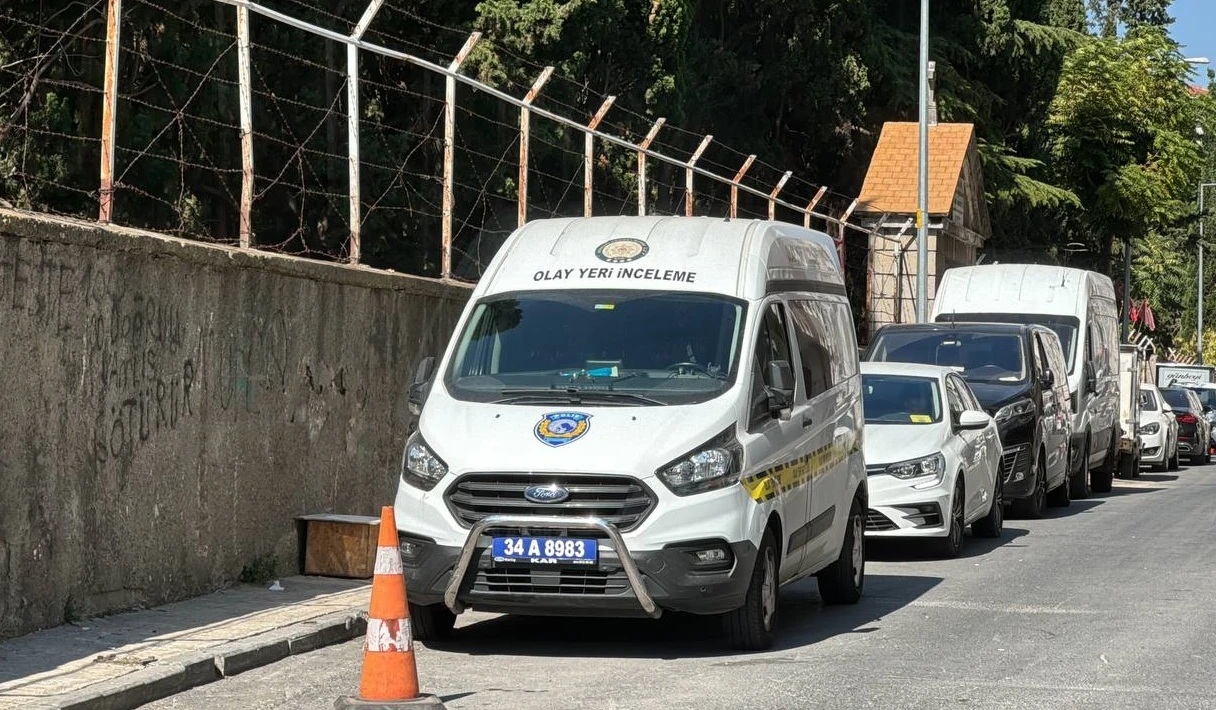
891, 181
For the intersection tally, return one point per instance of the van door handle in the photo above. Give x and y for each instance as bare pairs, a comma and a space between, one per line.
807, 421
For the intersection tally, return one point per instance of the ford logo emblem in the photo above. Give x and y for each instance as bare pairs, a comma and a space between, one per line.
551, 493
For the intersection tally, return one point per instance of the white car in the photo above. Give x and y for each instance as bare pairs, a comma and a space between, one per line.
1158, 430
932, 456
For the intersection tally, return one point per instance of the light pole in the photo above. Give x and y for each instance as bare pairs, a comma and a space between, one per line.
1199, 270
922, 191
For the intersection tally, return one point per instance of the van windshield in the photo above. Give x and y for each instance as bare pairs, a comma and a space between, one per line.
626, 348
1065, 327
980, 357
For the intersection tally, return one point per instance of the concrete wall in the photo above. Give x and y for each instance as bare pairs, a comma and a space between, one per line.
168, 407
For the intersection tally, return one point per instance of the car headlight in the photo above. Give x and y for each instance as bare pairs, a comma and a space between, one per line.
930, 466
714, 465
420, 467
1152, 428
1017, 409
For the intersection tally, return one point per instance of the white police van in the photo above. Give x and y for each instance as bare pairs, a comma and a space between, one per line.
639, 414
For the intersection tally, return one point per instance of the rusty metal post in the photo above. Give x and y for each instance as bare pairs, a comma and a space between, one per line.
449, 152
352, 128
109, 108
734, 185
245, 81
844, 221
810, 207
692, 162
589, 152
772, 196
525, 117
645, 146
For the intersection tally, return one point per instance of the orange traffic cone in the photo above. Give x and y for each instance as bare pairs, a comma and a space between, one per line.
390, 674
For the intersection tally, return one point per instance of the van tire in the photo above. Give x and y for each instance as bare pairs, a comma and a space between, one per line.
433, 622
1034, 505
951, 545
1080, 480
842, 581
1060, 496
992, 525
750, 627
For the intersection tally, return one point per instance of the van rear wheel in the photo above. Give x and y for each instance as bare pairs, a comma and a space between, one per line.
750, 627
1103, 477
841, 582
1079, 480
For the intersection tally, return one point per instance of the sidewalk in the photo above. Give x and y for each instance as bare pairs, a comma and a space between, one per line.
126, 660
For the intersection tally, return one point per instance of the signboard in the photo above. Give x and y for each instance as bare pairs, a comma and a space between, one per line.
1183, 375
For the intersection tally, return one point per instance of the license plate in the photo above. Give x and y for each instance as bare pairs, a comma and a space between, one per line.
544, 550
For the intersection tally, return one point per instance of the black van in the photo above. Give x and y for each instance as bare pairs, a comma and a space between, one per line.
1017, 372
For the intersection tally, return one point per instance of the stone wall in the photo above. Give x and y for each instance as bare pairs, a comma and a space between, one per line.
168, 407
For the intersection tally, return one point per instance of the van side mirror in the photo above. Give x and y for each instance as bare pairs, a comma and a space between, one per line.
781, 391
1049, 379
1091, 383
422, 385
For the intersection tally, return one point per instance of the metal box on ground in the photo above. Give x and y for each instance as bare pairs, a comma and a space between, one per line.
339, 545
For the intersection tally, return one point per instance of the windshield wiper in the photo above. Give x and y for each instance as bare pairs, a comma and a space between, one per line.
574, 395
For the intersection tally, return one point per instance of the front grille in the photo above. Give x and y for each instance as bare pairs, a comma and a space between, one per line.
621, 500
1014, 460
877, 522
550, 581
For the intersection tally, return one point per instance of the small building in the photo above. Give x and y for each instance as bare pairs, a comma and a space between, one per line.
958, 214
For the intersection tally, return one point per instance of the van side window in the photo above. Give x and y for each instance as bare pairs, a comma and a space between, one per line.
772, 344
1040, 356
814, 344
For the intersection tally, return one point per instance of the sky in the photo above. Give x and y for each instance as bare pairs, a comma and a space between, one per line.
1195, 29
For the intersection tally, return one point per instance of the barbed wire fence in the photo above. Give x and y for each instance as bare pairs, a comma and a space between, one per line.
309, 129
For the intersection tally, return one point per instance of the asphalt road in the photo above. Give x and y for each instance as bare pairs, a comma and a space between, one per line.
1110, 603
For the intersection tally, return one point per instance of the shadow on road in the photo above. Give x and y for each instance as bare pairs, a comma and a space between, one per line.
803, 621
1158, 477
896, 550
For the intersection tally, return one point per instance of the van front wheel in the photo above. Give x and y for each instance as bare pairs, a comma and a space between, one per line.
841, 581
750, 627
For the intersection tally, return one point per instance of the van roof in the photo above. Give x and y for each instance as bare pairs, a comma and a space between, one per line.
965, 326
1019, 288
741, 258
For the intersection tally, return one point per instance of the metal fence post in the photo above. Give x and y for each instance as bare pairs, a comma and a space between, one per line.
589, 152
352, 127
245, 81
109, 107
810, 207
449, 151
525, 117
734, 185
844, 222
645, 146
772, 196
692, 162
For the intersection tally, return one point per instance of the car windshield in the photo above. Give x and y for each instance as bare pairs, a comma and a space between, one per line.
1177, 398
901, 399
1065, 327
1148, 402
1207, 397
604, 347
980, 357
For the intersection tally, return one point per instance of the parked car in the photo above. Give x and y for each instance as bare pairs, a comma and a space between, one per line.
1206, 392
932, 456
1194, 430
1158, 430
1080, 307
1018, 374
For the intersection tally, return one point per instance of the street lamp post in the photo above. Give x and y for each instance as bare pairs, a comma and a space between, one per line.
1199, 274
922, 192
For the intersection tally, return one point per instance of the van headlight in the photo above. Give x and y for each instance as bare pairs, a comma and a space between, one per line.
923, 468
1017, 409
715, 464
420, 467
1151, 428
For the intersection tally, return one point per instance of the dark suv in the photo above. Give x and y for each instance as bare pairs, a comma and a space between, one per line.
1018, 373
1194, 431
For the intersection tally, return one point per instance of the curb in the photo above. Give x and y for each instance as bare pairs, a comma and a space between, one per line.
162, 680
